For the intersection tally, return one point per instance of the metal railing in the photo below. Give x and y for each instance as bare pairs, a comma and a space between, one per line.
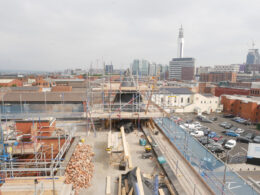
220, 178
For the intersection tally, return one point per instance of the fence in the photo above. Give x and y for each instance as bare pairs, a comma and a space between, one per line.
220, 178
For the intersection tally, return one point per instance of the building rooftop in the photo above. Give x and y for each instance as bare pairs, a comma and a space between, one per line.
6, 80
44, 96
29, 88
176, 90
244, 98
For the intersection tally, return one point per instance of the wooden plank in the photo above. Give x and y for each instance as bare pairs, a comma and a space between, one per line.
124, 143
130, 163
131, 191
126, 186
169, 186
139, 181
108, 187
119, 185
161, 192
123, 191
109, 144
149, 139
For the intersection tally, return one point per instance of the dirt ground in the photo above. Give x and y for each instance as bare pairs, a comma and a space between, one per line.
101, 162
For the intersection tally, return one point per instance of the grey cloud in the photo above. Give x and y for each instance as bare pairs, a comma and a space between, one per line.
54, 35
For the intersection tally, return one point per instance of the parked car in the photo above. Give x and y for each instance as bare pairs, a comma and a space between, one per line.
214, 118
223, 124
231, 133
243, 139
230, 144
197, 133
249, 135
233, 128
217, 137
212, 134
256, 139
217, 149
226, 125
222, 141
205, 140
228, 116
239, 131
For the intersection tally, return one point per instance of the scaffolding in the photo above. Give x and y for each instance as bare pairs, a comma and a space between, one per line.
32, 158
127, 97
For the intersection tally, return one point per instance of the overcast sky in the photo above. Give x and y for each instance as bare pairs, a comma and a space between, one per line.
53, 35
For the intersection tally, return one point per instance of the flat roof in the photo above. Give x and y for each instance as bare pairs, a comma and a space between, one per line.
244, 98
45, 96
6, 80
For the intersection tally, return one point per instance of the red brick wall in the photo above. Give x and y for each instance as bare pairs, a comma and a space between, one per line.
230, 91
247, 110
187, 73
15, 82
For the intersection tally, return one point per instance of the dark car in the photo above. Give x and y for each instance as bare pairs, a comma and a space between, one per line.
243, 139
222, 141
217, 149
249, 135
257, 139
228, 116
228, 126
205, 140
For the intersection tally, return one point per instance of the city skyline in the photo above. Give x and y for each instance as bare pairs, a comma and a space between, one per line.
53, 36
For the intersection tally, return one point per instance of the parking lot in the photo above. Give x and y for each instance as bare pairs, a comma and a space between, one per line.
241, 148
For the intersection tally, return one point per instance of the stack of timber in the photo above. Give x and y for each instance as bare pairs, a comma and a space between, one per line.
80, 168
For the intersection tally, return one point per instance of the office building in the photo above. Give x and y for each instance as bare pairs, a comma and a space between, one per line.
227, 68
135, 67
216, 77
181, 68
109, 69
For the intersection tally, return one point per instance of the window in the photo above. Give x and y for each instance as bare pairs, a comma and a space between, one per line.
181, 100
205, 102
188, 100
175, 100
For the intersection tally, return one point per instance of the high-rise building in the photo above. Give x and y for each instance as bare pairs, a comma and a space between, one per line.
181, 68
144, 69
135, 67
152, 69
109, 69
253, 57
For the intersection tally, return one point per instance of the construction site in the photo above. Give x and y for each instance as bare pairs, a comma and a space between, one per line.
121, 142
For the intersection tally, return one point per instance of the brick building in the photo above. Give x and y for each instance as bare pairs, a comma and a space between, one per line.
10, 83
215, 77
231, 91
243, 106
206, 88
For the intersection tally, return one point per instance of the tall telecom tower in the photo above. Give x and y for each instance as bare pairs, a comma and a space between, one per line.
180, 43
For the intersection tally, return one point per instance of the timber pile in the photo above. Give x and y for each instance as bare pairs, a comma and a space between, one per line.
80, 168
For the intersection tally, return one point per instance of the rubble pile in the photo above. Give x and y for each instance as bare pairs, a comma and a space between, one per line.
80, 168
